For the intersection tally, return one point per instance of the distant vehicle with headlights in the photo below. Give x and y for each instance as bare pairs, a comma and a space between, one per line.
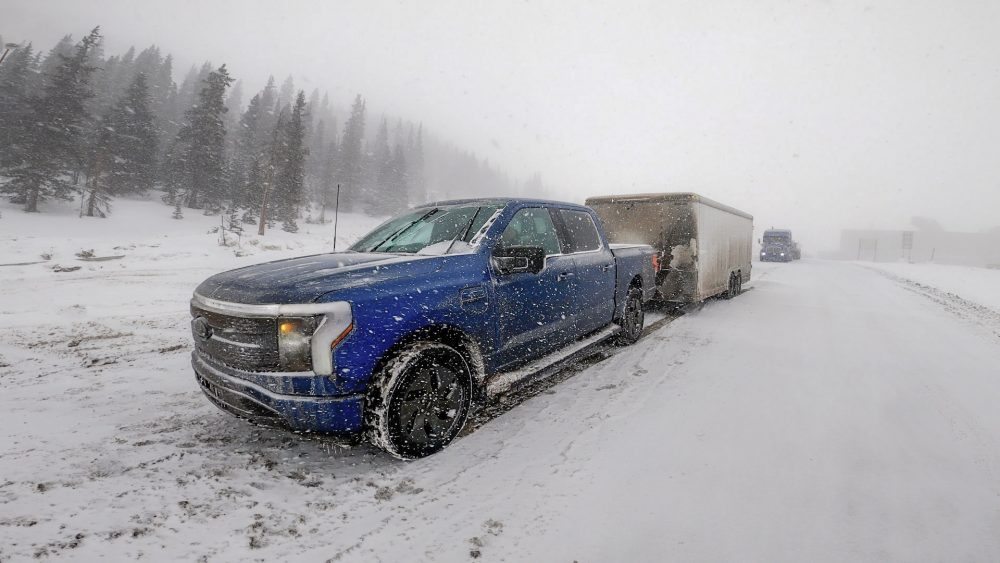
704, 247
426, 316
777, 246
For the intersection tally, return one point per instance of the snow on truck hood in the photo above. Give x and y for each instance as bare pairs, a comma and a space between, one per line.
305, 279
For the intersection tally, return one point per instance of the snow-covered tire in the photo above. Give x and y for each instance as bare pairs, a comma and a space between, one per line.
420, 400
733, 288
632, 319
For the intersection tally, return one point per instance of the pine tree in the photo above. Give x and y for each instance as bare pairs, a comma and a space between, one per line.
317, 142
328, 175
383, 155
133, 140
268, 100
314, 162
286, 94
53, 147
16, 75
54, 59
180, 99
313, 106
204, 137
290, 182
172, 172
163, 95
245, 154
268, 174
397, 198
254, 190
351, 171
234, 101
415, 165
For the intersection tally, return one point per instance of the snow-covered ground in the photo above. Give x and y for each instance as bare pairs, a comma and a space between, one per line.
832, 413
978, 285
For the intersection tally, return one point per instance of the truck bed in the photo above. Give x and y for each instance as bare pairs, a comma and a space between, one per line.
629, 259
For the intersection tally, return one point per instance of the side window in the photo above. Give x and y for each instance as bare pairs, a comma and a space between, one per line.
531, 227
580, 231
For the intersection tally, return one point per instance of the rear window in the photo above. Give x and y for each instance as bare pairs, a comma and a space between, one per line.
581, 233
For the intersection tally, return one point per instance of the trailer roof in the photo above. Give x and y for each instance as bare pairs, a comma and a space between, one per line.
675, 197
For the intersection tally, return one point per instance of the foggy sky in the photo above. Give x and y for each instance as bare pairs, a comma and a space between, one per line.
809, 115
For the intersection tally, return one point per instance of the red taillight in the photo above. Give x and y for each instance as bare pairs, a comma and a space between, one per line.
656, 262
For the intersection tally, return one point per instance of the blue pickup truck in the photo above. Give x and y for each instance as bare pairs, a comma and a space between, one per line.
431, 313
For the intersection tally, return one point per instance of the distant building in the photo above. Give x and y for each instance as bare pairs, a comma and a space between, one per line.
922, 245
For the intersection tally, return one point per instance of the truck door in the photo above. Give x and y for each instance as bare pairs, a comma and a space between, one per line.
534, 310
594, 298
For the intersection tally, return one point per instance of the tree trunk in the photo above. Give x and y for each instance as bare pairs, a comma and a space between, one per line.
263, 214
91, 202
31, 198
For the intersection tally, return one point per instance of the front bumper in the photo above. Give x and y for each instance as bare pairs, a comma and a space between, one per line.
331, 414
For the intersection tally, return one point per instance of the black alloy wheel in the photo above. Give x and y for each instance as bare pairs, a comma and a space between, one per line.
632, 319
421, 402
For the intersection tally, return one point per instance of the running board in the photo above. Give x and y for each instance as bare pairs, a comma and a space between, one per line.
503, 382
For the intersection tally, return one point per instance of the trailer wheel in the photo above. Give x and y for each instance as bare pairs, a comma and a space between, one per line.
733, 288
632, 319
419, 401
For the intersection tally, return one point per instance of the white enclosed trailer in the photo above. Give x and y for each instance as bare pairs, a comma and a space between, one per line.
704, 246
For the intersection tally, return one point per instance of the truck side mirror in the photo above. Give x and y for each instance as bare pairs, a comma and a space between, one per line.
518, 259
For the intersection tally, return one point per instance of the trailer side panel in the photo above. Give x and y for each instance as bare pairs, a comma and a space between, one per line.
724, 246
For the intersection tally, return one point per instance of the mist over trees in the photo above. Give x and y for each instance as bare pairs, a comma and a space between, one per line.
77, 122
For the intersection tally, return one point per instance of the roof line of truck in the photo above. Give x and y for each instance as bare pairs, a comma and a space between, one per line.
503, 201
669, 196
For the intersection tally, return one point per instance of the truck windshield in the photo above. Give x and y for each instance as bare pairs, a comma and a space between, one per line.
777, 239
437, 230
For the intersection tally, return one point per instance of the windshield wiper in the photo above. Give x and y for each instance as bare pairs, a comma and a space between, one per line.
403, 228
465, 231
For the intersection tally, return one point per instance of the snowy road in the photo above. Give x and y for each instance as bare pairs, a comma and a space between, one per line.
833, 413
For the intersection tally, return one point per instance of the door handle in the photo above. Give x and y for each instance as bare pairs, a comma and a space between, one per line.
564, 275
606, 267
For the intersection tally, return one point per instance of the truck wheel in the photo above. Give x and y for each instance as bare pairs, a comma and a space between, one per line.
419, 401
733, 290
632, 319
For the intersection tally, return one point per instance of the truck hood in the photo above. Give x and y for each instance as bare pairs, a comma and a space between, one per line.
305, 279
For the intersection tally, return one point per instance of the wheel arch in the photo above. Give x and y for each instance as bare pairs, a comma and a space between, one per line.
449, 335
634, 283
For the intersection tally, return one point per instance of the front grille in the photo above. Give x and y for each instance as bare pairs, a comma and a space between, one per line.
236, 404
246, 343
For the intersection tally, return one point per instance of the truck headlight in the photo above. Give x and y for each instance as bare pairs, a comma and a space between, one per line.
307, 343
782, 253
294, 343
